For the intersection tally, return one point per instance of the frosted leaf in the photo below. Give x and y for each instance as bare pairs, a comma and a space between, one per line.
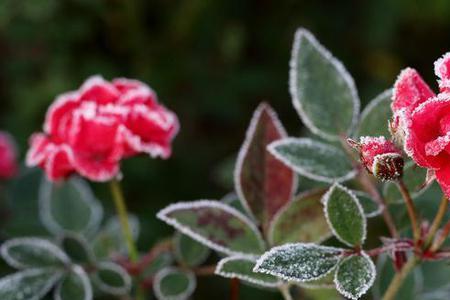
313, 159
345, 215
326, 282
22, 253
107, 242
174, 284
75, 286
77, 248
375, 116
323, 92
370, 207
414, 178
216, 225
112, 279
301, 220
31, 284
355, 275
69, 206
241, 267
299, 262
262, 182
188, 251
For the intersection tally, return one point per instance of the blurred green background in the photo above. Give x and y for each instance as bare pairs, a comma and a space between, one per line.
210, 61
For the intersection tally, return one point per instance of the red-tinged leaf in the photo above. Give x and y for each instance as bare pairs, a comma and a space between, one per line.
263, 183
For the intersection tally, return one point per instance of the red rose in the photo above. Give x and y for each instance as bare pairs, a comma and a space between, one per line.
8, 156
427, 122
91, 130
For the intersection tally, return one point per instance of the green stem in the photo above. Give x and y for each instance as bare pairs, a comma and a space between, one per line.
398, 279
437, 221
284, 289
411, 210
122, 213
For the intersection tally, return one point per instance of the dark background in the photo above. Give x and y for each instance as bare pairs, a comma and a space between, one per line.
211, 62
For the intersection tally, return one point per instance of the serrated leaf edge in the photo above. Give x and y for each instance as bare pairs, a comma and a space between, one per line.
47, 219
166, 271
275, 218
162, 215
108, 289
372, 105
346, 294
33, 272
244, 150
219, 271
31, 242
325, 200
77, 270
307, 141
293, 74
263, 257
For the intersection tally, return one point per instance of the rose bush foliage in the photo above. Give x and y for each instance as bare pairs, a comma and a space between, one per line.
296, 218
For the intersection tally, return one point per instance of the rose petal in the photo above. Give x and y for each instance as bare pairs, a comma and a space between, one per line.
443, 178
59, 114
59, 163
98, 90
38, 151
410, 90
8, 156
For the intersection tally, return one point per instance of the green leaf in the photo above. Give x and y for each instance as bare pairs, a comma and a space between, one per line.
77, 248
375, 117
313, 159
262, 182
355, 276
188, 251
163, 260
75, 286
216, 225
414, 179
31, 284
108, 243
22, 253
345, 215
233, 200
69, 206
370, 207
174, 284
301, 220
241, 267
299, 262
112, 279
23, 210
326, 282
323, 92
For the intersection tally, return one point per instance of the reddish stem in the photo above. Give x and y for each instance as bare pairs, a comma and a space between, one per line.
234, 292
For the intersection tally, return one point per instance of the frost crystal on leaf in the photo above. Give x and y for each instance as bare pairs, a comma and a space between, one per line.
22, 253
174, 284
241, 267
75, 286
112, 279
345, 215
263, 183
313, 159
299, 262
323, 92
216, 225
355, 275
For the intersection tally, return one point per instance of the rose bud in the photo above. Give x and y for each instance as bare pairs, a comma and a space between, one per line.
380, 157
8, 156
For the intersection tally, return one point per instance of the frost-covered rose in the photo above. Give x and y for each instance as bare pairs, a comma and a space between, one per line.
380, 157
8, 156
427, 121
89, 131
